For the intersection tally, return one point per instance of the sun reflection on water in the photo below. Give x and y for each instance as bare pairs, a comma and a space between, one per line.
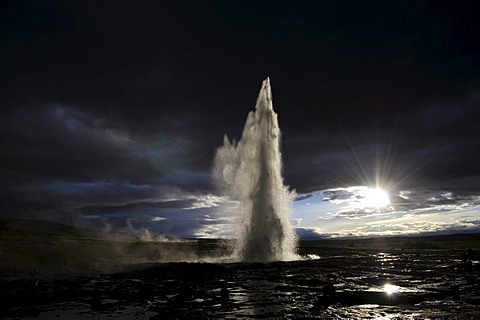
390, 288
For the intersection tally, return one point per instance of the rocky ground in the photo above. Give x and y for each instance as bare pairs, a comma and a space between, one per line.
346, 283
52, 271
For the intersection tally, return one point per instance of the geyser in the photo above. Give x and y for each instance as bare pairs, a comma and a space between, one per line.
250, 172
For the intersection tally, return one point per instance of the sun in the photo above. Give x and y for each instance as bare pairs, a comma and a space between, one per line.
375, 197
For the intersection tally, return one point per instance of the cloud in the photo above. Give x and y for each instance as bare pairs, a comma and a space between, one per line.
187, 215
414, 211
65, 144
138, 207
413, 228
217, 230
310, 233
208, 201
359, 213
453, 221
78, 160
183, 201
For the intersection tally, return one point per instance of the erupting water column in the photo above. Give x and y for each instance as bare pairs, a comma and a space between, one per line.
250, 172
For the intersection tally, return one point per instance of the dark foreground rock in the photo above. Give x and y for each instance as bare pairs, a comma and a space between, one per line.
339, 285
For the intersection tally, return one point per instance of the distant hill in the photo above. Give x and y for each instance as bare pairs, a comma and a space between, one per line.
43, 228
450, 242
40, 228
55, 249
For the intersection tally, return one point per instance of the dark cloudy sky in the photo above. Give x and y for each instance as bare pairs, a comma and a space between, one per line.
112, 110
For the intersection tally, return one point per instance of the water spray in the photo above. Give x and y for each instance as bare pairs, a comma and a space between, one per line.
250, 172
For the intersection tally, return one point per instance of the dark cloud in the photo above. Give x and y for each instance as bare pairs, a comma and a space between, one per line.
308, 234
141, 207
66, 144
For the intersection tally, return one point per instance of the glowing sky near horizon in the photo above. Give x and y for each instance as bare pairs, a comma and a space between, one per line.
351, 213
341, 212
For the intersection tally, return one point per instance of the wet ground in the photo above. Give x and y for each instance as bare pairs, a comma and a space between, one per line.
342, 284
